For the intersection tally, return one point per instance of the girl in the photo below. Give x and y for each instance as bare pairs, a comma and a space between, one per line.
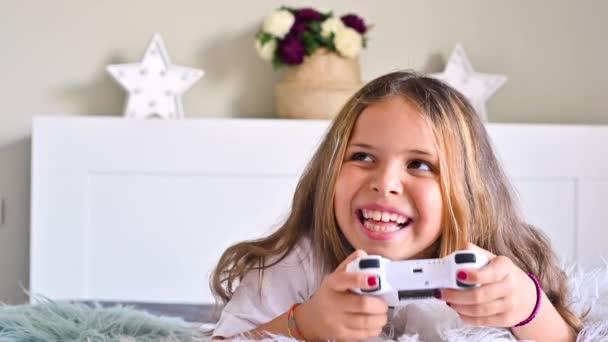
406, 171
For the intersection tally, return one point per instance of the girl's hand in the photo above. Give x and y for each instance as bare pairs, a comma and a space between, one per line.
336, 313
506, 295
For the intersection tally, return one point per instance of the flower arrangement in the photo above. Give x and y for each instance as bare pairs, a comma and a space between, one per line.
290, 34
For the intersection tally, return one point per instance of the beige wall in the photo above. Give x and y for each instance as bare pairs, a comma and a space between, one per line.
54, 52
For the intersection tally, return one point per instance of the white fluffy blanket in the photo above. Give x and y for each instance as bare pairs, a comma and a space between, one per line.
419, 322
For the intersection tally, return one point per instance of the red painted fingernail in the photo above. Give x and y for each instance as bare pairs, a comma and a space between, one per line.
437, 294
462, 275
372, 281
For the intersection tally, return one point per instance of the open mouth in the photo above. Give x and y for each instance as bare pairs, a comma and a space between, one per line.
382, 222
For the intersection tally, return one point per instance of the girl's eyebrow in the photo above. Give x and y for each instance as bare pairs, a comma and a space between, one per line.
417, 151
366, 146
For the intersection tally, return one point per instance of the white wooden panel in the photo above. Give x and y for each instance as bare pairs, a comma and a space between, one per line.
551, 206
168, 230
552, 151
593, 223
560, 154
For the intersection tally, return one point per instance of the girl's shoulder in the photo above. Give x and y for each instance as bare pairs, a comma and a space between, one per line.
301, 255
263, 295
300, 263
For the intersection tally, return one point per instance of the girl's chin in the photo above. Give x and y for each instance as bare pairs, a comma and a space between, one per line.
387, 253
404, 250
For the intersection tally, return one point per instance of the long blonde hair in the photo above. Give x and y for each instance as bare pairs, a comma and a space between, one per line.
479, 206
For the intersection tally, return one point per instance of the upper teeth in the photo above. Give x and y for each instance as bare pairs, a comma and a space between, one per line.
383, 216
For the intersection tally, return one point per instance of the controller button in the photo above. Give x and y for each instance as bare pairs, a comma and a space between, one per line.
417, 294
369, 263
374, 289
465, 258
461, 284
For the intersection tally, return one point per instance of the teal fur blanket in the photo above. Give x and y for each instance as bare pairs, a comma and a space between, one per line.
58, 321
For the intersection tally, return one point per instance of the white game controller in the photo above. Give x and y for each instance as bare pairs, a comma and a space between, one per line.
402, 281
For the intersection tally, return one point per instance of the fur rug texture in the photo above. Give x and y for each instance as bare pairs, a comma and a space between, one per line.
54, 321
59, 321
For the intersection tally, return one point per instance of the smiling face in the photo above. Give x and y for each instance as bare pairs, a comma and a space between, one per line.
387, 194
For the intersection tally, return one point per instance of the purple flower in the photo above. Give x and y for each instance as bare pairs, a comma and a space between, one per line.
308, 14
355, 22
298, 28
291, 50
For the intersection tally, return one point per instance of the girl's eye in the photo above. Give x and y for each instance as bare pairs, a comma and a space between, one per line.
420, 165
361, 156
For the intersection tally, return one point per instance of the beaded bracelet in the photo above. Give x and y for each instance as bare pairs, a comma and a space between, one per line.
291, 320
537, 305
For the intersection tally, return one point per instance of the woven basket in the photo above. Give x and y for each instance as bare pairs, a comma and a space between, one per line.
317, 88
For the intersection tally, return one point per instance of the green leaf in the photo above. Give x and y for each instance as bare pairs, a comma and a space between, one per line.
325, 41
364, 42
286, 8
264, 37
315, 26
329, 42
310, 42
277, 64
327, 15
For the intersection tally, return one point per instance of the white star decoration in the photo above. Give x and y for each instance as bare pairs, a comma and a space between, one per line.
477, 87
155, 85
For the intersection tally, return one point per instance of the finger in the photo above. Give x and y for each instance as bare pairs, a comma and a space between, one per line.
492, 308
364, 304
472, 246
345, 281
496, 270
366, 322
483, 294
354, 255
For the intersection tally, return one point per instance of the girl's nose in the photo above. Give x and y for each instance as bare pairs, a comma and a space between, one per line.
387, 181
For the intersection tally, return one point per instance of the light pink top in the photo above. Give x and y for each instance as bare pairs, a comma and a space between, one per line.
293, 280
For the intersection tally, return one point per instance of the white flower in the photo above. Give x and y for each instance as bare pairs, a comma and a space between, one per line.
331, 25
266, 51
348, 42
320, 9
279, 23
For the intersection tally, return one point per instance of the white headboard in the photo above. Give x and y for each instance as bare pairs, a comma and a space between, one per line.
132, 210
